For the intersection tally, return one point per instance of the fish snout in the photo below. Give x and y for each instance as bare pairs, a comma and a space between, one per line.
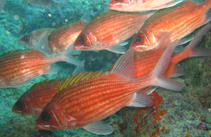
21, 107
141, 48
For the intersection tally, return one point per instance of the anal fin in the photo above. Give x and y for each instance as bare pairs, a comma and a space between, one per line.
99, 128
141, 100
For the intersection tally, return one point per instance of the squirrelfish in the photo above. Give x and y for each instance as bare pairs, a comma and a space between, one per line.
141, 5
35, 99
31, 39
17, 67
86, 102
146, 61
182, 20
64, 36
110, 29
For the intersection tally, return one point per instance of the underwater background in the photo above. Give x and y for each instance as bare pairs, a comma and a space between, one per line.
174, 114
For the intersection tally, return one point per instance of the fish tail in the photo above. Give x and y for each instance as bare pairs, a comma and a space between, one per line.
58, 6
208, 4
61, 13
43, 44
191, 51
205, 6
67, 57
157, 76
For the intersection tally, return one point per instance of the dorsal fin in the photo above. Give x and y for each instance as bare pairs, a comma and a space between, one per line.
44, 82
79, 77
125, 65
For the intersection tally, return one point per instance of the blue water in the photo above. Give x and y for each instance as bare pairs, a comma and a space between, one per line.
188, 111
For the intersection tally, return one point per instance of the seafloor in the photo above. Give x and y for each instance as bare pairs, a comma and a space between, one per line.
174, 114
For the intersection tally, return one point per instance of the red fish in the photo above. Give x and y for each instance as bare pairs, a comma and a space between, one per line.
86, 102
146, 61
141, 5
182, 20
35, 99
110, 29
17, 67
31, 39
63, 37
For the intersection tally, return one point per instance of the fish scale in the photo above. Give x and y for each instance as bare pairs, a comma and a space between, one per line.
62, 38
90, 111
122, 22
20, 66
143, 65
26, 66
36, 98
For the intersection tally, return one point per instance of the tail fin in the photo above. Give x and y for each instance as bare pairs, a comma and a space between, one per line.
207, 4
67, 57
197, 39
43, 45
190, 50
161, 67
58, 6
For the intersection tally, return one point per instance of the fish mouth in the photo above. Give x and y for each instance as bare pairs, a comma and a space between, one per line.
47, 127
17, 111
116, 5
141, 48
43, 127
80, 48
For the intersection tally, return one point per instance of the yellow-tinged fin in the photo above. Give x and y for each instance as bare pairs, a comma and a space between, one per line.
79, 77
44, 82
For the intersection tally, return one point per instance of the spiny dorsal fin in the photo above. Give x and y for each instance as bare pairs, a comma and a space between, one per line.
44, 82
79, 77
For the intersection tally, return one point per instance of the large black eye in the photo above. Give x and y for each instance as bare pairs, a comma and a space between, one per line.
81, 40
18, 105
138, 39
45, 117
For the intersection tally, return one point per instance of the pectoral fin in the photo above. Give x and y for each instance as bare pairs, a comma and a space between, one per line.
99, 128
119, 49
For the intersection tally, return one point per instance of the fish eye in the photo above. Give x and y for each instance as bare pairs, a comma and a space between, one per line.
138, 39
19, 105
81, 40
45, 117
